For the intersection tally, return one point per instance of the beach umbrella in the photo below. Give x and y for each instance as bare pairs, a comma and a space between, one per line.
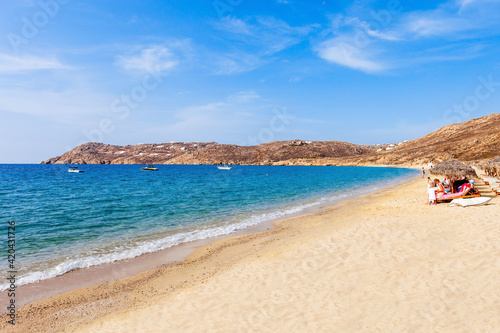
453, 168
492, 166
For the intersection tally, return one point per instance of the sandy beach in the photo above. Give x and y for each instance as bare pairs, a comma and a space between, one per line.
385, 262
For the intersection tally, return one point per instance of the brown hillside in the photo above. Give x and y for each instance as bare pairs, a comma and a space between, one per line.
207, 153
473, 140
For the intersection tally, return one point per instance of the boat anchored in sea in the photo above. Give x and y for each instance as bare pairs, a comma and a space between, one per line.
149, 168
224, 167
75, 170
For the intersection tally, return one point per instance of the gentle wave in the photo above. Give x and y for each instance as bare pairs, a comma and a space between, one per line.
197, 232
164, 243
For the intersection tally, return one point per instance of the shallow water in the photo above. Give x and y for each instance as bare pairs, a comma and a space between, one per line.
66, 221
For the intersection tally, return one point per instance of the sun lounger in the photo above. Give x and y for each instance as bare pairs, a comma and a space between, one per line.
493, 183
465, 193
490, 180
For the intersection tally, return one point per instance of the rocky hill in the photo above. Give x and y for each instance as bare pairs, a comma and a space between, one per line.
473, 140
208, 153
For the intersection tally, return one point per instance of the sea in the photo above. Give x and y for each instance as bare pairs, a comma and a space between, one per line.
66, 221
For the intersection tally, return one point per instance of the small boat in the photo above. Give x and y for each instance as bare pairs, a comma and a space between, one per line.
149, 168
224, 167
74, 169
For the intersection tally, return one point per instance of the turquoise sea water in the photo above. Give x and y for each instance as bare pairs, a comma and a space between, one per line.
67, 220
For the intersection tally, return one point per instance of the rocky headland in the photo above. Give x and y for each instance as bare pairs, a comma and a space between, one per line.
473, 140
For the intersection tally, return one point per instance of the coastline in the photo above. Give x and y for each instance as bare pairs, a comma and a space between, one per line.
214, 260
106, 272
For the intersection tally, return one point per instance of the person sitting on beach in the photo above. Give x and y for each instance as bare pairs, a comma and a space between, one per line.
457, 184
447, 184
440, 188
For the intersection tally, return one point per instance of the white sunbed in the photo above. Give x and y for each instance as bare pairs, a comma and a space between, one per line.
491, 180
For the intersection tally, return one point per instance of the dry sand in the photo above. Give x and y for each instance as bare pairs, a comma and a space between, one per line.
380, 263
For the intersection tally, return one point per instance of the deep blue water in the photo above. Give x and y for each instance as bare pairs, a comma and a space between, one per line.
67, 220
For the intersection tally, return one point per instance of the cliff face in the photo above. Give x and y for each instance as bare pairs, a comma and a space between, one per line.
476, 139
207, 153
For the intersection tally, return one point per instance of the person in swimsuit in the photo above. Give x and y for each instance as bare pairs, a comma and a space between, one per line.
440, 188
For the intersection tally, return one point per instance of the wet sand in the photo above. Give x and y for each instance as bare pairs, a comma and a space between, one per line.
384, 262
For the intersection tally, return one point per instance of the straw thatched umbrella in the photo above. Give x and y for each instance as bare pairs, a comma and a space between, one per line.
492, 167
453, 169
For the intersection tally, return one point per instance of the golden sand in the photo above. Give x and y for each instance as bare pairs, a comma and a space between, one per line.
385, 262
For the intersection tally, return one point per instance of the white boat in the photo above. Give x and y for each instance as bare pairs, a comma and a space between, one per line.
224, 167
149, 168
74, 169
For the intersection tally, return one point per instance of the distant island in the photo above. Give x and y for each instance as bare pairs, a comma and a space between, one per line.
473, 140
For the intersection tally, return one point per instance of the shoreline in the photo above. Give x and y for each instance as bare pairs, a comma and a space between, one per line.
112, 271
120, 269
307, 249
151, 264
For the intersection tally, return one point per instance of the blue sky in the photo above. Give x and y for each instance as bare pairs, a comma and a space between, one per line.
240, 71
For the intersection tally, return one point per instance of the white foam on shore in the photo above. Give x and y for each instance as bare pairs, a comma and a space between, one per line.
145, 247
156, 245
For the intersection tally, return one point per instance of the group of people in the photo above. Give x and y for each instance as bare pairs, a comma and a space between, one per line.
435, 186
448, 185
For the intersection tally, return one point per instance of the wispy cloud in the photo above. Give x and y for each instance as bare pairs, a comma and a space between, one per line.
267, 33
154, 58
466, 3
256, 41
243, 97
68, 106
370, 46
233, 117
158, 57
443, 21
342, 52
450, 20
234, 63
12, 64
356, 44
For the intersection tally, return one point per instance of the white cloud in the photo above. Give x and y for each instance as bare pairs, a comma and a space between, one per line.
258, 40
454, 22
157, 58
233, 118
11, 64
235, 63
466, 3
234, 25
68, 106
242, 97
342, 52
199, 123
363, 45
434, 24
